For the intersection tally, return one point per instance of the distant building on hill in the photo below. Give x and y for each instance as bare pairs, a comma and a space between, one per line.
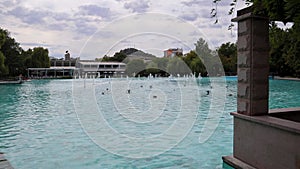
169, 53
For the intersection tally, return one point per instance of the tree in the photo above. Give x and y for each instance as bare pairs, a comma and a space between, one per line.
228, 55
176, 66
279, 10
27, 58
135, 67
152, 68
12, 53
14, 60
285, 44
189, 57
119, 57
3, 68
278, 40
162, 63
40, 57
209, 58
198, 67
158, 66
194, 62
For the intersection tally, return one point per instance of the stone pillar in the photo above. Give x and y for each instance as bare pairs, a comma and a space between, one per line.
253, 63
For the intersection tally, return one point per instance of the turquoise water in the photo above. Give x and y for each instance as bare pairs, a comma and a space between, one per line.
39, 127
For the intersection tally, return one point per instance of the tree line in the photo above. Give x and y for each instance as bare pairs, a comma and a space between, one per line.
14, 60
285, 50
284, 57
202, 60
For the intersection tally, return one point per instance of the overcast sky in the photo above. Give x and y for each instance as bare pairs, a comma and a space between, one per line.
94, 28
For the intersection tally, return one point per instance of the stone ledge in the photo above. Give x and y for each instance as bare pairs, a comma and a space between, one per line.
236, 163
268, 120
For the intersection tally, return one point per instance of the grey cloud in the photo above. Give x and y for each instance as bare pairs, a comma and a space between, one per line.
95, 10
215, 42
103, 34
83, 28
35, 44
205, 13
197, 2
189, 17
58, 26
28, 16
125, 41
61, 20
216, 26
61, 16
9, 3
137, 5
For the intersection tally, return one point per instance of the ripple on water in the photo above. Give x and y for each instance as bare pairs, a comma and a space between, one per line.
39, 126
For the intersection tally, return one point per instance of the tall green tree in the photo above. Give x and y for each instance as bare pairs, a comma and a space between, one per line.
40, 57
279, 10
152, 68
162, 63
14, 60
285, 44
135, 67
194, 62
3, 68
209, 58
176, 66
12, 53
228, 55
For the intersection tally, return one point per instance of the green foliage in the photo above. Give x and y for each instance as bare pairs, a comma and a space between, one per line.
209, 58
2, 38
128, 51
176, 66
119, 56
276, 10
14, 60
12, 53
135, 67
162, 63
3, 68
285, 44
40, 58
194, 62
152, 68
198, 67
158, 66
285, 51
280, 10
228, 55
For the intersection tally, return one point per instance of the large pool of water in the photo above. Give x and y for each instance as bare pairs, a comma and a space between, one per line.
43, 122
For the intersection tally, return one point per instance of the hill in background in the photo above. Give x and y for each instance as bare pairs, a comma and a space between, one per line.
125, 55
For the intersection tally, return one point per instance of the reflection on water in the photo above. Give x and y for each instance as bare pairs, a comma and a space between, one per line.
39, 127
